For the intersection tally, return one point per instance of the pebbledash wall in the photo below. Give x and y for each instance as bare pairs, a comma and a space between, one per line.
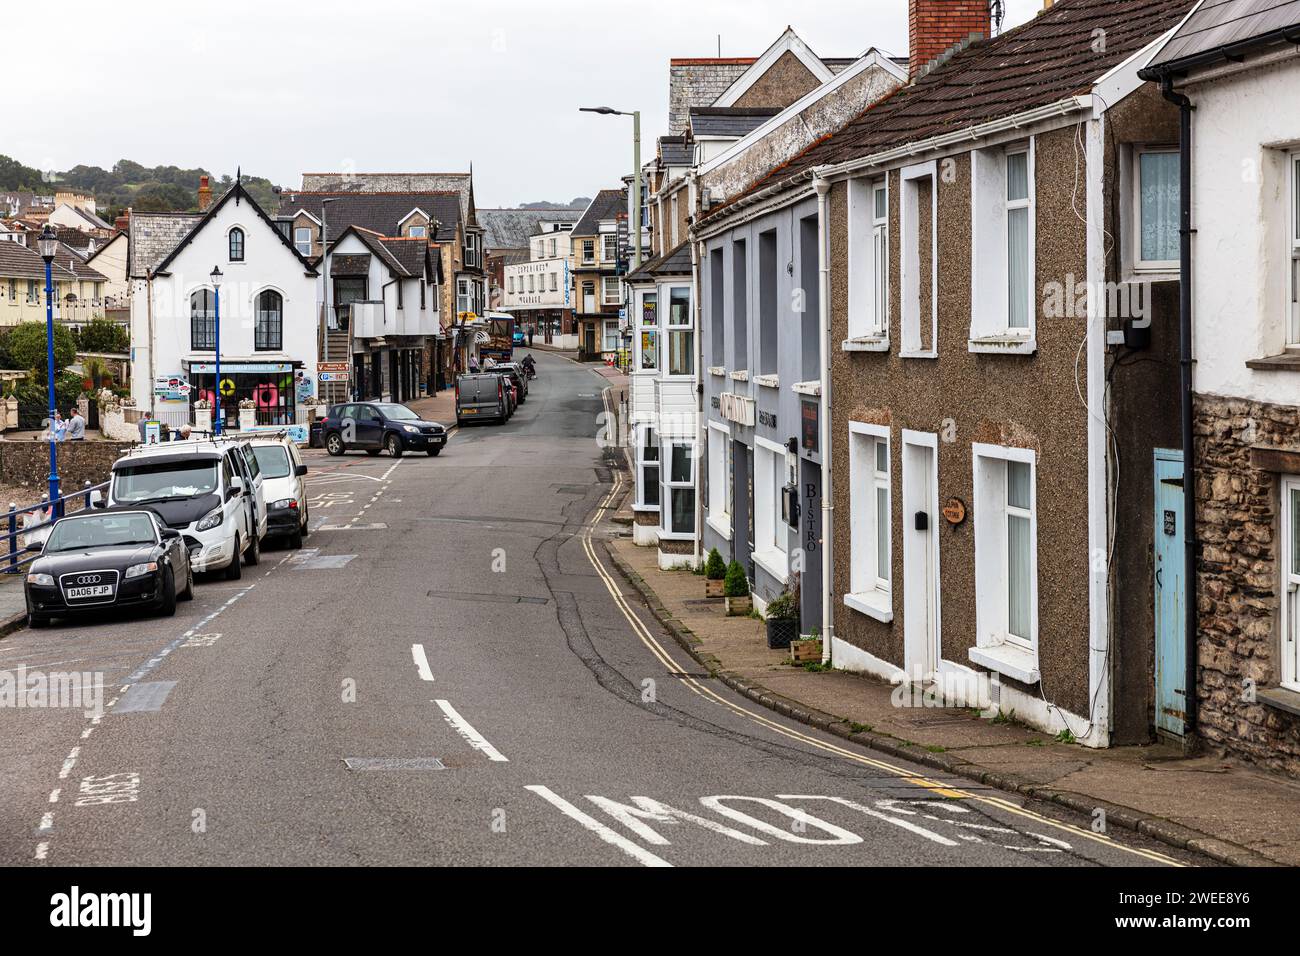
1247, 426
27, 463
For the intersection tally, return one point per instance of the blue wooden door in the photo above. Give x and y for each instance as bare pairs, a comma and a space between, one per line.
1171, 593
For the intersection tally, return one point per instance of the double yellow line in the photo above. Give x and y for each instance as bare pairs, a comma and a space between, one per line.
934, 786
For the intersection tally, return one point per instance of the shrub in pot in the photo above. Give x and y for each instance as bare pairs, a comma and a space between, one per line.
715, 571
735, 588
782, 620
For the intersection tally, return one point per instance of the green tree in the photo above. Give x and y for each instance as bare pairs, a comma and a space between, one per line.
715, 569
103, 335
24, 348
736, 584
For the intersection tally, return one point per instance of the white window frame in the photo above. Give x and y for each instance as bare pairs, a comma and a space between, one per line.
418, 232
471, 250
1292, 324
1290, 591
669, 486
609, 247
868, 267
869, 592
606, 283
646, 438
1139, 264
588, 252
464, 296
302, 237
719, 479
554, 283
672, 227
1013, 655
664, 305
771, 534
990, 329
910, 261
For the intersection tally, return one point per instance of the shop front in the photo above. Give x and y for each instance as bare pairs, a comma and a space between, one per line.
390, 373
272, 387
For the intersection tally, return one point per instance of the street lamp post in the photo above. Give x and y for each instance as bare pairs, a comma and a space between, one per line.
216, 326
49, 244
636, 166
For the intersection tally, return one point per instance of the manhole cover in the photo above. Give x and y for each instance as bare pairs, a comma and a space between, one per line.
394, 763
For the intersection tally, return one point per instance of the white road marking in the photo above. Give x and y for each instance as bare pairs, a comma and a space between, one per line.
54, 795
896, 821
47, 821
384, 476
42, 850
68, 763
421, 662
638, 853
475, 739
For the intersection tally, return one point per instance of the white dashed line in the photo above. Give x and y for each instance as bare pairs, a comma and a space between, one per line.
475, 739
421, 662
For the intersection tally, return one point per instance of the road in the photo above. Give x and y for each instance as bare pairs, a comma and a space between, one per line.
451, 673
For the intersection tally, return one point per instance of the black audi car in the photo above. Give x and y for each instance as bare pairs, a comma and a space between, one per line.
380, 426
108, 559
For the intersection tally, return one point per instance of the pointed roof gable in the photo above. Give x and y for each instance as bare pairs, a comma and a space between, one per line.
787, 42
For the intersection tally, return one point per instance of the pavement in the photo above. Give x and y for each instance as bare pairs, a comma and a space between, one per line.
1227, 810
452, 672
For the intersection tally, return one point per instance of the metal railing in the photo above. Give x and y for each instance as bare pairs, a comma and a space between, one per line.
44, 516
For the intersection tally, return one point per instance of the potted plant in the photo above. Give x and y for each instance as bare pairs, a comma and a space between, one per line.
809, 649
782, 620
715, 572
735, 588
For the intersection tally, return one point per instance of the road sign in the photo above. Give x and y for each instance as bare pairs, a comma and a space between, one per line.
333, 376
331, 366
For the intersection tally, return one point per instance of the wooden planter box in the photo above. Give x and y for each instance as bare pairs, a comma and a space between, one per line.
739, 606
713, 589
802, 652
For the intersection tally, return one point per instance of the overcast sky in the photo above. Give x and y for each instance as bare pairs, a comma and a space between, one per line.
388, 85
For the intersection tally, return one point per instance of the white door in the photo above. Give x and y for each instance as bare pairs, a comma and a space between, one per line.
1291, 582
920, 513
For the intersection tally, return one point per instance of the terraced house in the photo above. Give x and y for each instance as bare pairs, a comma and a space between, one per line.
997, 313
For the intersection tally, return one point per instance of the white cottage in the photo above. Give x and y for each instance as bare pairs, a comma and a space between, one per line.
264, 290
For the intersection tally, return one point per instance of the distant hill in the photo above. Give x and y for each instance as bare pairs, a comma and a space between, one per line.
148, 189
580, 203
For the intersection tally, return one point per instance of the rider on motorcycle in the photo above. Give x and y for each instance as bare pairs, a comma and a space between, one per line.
529, 365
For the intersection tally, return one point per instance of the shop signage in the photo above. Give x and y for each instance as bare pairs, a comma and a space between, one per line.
331, 366
207, 368
808, 414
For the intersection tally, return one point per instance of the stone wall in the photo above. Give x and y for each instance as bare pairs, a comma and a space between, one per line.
1238, 576
27, 463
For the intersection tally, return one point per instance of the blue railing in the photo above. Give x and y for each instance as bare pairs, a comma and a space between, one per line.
46, 516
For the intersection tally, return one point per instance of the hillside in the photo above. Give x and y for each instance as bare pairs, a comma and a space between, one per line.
148, 189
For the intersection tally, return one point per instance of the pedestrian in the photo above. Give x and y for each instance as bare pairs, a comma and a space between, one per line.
59, 428
144, 417
184, 432
76, 425
530, 336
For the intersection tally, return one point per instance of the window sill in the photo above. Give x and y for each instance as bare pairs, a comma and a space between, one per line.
1162, 273
1004, 344
768, 381
1015, 662
775, 563
650, 508
717, 370
866, 343
1286, 362
721, 527
813, 388
1279, 698
875, 604
918, 354
741, 375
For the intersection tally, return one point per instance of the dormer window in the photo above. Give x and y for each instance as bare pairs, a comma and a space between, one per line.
236, 238
418, 232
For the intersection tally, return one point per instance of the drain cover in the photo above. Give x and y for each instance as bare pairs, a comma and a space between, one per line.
394, 763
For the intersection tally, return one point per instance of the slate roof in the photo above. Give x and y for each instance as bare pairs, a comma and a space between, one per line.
674, 262
410, 253
1040, 62
90, 218
19, 262
462, 184
74, 264
378, 212
152, 236
728, 120
607, 205
350, 264
1220, 27
512, 228
673, 151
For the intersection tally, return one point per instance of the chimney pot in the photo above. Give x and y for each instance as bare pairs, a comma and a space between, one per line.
205, 194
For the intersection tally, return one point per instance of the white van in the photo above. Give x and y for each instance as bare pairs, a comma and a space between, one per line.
207, 490
283, 488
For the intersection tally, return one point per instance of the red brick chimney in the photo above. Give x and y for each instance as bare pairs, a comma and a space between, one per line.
934, 26
123, 222
205, 194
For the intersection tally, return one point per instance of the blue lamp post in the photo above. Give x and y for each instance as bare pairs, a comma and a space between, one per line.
49, 244
216, 322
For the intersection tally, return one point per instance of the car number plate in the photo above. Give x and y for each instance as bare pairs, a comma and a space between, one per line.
93, 591
469, 411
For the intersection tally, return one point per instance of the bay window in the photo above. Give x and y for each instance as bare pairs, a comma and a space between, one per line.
680, 332
679, 489
649, 333
649, 464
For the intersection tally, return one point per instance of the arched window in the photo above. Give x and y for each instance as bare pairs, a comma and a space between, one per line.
268, 333
236, 245
203, 321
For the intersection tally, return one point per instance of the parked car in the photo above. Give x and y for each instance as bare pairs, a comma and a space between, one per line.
380, 426
482, 396
108, 559
203, 489
284, 488
518, 338
517, 374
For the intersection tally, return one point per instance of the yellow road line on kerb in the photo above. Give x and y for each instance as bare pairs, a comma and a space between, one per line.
934, 786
